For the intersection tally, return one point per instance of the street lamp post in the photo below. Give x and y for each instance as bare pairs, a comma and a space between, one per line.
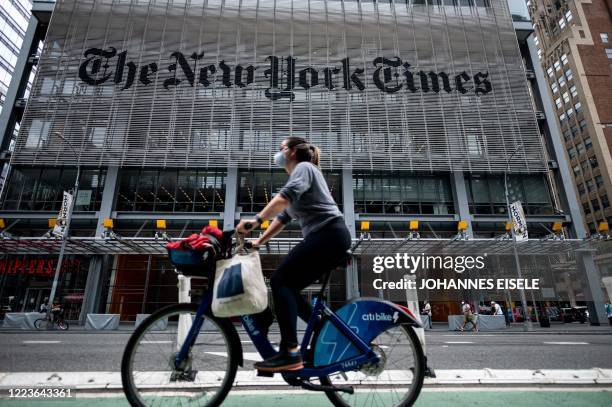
58, 267
527, 325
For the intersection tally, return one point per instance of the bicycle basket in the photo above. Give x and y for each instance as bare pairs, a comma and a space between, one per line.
192, 262
195, 255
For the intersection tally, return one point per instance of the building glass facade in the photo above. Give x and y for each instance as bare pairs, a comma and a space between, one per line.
175, 109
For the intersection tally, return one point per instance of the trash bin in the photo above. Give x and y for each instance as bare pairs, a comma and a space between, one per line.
544, 321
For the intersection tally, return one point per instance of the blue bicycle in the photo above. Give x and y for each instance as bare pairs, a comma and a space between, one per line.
365, 353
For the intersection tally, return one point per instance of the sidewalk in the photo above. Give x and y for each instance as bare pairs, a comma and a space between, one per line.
518, 328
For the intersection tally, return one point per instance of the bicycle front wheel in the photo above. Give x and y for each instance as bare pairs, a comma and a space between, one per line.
148, 371
395, 381
40, 324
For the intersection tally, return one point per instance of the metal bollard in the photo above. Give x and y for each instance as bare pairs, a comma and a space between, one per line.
184, 323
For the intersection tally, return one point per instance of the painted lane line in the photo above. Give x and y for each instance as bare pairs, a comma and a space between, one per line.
150, 342
458, 342
565, 343
33, 342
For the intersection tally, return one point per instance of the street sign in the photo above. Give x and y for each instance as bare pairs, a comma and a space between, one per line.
60, 225
519, 223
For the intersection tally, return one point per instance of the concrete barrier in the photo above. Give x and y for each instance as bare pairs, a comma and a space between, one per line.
21, 320
102, 322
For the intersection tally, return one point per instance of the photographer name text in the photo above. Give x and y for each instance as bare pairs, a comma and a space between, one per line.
459, 284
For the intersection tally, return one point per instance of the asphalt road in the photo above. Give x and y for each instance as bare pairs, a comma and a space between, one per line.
77, 352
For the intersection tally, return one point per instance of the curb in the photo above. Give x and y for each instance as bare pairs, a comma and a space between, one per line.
248, 378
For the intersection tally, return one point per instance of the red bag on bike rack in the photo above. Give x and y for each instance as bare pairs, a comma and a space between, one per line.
196, 254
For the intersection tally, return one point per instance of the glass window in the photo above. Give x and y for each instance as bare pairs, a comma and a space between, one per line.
562, 117
566, 97
575, 131
590, 185
595, 204
581, 189
586, 208
568, 15
578, 107
96, 136
564, 59
554, 87
585, 166
573, 91
588, 143
568, 74
570, 112
571, 152
558, 103
36, 189
604, 37
403, 193
550, 71
580, 148
38, 134
599, 181
605, 203
593, 162
561, 81
557, 65
567, 135
576, 169
609, 53
562, 23
583, 125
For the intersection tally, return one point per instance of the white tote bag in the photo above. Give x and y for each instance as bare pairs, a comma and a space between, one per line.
239, 286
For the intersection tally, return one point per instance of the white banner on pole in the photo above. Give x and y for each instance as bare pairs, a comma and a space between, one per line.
519, 223
60, 224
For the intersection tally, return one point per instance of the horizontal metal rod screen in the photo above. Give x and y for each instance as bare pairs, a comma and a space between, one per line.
387, 85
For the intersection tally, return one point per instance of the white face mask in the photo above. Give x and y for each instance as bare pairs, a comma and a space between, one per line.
279, 159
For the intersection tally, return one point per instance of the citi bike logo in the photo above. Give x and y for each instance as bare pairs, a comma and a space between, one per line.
249, 324
380, 316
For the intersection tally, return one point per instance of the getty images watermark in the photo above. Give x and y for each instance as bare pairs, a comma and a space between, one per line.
410, 264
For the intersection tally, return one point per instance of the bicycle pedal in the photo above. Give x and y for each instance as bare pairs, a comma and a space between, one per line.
261, 373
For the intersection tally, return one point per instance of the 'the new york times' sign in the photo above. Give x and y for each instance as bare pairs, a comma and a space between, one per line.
390, 74
377, 85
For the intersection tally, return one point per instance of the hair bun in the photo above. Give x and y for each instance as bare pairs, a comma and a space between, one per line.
312, 147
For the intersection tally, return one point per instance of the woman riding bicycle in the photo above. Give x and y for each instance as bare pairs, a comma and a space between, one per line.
305, 197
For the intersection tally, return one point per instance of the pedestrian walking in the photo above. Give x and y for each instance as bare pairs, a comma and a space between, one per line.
496, 309
468, 317
609, 312
427, 311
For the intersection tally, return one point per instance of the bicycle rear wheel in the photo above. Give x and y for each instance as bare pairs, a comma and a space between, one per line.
395, 381
62, 324
148, 372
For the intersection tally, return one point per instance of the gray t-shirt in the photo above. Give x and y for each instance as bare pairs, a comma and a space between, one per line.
310, 200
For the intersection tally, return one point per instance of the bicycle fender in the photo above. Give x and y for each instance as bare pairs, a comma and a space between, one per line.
367, 318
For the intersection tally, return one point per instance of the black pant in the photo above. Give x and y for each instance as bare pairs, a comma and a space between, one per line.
318, 253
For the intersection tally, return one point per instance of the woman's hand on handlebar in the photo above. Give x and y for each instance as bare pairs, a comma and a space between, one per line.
246, 226
255, 244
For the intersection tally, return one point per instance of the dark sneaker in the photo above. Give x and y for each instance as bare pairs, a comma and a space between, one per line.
281, 362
